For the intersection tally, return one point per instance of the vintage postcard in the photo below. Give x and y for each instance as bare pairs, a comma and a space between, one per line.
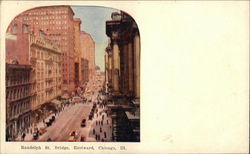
124, 77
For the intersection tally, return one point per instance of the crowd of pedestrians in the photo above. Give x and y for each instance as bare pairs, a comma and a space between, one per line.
101, 124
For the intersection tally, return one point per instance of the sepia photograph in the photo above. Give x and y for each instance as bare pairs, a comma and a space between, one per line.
73, 74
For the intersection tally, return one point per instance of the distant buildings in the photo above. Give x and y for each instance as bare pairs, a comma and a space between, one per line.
122, 72
88, 56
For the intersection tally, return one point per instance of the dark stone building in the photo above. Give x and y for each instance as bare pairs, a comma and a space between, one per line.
122, 74
18, 99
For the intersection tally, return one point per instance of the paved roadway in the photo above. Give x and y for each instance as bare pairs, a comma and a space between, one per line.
69, 120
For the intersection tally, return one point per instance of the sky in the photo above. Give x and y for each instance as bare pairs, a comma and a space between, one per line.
93, 22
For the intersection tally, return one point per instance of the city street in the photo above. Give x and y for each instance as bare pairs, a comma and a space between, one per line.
99, 128
68, 121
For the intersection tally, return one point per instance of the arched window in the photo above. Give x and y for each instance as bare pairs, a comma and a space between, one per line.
14, 29
25, 28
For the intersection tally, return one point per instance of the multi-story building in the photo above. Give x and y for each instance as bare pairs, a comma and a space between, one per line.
58, 23
123, 76
45, 57
31, 47
18, 98
78, 61
88, 56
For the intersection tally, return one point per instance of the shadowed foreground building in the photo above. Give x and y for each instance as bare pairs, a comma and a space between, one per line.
18, 98
122, 72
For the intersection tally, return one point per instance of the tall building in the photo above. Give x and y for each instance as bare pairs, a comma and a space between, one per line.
45, 57
30, 46
88, 55
123, 76
18, 98
78, 61
58, 23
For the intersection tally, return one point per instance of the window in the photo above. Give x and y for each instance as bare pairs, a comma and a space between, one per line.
14, 30
25, 28
42, 34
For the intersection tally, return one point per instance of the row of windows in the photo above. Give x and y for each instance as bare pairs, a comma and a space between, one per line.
48, 12
16, 79
45, 17
60, 38
24, 28
53, 22
17, 93
62, 33
59, 27
19, 108
43, 96
43, 55
42, 66
42, 76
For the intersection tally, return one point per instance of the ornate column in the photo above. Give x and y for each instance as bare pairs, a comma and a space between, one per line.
116, 63
110, 67
136, 42
130, 68
106, 66
125, 67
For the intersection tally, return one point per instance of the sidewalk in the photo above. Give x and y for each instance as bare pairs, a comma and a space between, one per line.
101, 130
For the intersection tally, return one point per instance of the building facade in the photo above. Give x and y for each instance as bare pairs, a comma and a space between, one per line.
58, 23
123, 76
88, 56
31, 47
45, 58
18, 99
78, 61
